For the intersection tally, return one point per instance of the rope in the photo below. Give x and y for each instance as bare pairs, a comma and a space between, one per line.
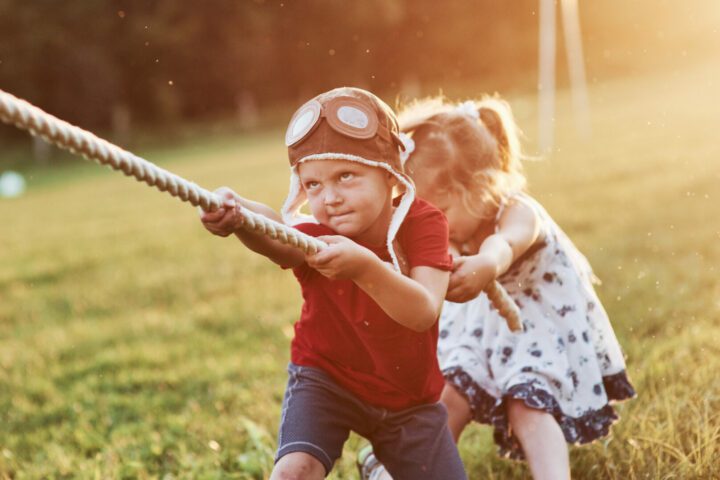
25, 116
505, 305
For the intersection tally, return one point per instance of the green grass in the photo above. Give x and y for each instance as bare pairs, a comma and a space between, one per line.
135, 345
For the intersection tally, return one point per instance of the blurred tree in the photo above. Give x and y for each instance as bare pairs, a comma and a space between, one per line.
163, 60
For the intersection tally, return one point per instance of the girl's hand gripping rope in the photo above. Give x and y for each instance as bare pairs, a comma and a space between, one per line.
472, 275
469, 277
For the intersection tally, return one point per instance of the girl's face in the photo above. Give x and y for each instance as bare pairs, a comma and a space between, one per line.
463, 224
353, 199
429, 172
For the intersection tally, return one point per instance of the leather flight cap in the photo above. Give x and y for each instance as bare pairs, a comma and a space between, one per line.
361, 127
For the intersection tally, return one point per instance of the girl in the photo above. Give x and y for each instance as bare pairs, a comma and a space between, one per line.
552, 383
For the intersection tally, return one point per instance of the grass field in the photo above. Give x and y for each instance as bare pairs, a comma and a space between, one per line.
135, 345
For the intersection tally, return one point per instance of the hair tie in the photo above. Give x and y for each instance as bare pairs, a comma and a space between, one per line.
468, 108
409, 145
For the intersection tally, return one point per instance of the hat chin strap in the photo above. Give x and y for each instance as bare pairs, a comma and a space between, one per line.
297, 198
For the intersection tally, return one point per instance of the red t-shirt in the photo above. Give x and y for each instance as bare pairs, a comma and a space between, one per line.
345, 333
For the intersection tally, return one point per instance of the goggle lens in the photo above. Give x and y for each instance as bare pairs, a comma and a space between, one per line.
352, 117
304, 120
346, 115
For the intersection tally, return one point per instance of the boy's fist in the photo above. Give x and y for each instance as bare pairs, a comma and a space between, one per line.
341, 259
227, 219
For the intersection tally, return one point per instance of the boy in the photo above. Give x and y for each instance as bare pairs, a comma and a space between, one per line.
364, 353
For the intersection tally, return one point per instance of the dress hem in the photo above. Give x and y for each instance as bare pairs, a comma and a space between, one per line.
487, 409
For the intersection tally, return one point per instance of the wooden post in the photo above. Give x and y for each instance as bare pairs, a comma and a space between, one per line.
546, 84
576, 65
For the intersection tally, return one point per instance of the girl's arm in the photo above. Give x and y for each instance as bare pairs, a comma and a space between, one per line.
518, 229
228, 220
413, 301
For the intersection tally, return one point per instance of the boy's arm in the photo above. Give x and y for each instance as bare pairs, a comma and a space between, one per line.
413, 302
228, 220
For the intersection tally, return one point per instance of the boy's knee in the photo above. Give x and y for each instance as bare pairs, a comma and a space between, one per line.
298, 466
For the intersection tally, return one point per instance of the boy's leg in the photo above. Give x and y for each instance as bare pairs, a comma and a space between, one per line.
459, 416
298, 465
416, 443
315, 423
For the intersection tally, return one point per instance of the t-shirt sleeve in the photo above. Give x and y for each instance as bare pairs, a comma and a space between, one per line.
424, 237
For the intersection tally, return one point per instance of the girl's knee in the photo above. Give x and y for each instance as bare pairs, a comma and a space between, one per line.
298, 466
524, 419
518, 408
459, 411
455, 402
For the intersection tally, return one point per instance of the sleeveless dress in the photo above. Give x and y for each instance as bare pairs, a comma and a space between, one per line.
567, 362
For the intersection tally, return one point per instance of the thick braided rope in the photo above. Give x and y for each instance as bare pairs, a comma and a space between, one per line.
505, 305
27, 117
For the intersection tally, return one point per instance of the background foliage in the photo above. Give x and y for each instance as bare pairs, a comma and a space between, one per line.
164, 60
135, 345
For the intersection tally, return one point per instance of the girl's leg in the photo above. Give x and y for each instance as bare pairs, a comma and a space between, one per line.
298, 466
542, 441
459, 412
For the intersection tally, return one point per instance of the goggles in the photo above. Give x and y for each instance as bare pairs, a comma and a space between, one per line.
348, 116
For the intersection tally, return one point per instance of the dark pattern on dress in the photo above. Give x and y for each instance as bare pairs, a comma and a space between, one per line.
591, 425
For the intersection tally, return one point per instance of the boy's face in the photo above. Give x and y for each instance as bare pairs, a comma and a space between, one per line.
353, 199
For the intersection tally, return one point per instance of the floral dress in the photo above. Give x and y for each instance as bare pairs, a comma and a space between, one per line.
567, 361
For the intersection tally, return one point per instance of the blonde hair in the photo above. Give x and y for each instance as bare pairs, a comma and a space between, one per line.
480, 155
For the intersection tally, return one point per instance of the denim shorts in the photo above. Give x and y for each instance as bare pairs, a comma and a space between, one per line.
318, 415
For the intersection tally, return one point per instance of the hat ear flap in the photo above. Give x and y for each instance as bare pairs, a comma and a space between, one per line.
295, 200
408, 147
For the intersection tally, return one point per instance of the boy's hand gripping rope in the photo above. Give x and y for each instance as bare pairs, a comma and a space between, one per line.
25, 116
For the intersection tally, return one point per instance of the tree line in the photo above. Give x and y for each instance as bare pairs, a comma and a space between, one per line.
95, 62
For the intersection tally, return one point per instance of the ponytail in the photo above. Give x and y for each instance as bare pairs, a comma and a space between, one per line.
497, 117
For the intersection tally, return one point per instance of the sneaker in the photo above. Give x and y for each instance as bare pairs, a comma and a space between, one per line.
368, 465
